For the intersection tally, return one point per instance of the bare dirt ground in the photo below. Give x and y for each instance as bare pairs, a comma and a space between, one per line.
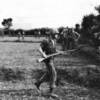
19, 70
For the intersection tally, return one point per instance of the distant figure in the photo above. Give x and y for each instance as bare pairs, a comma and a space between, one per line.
20, 34
23, 34
77, 28
64, 38
73, 38
39, 34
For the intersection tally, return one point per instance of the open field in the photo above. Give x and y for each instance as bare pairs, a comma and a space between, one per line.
15, 39
19, 70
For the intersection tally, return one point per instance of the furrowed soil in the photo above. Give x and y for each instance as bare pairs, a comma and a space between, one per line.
78, 74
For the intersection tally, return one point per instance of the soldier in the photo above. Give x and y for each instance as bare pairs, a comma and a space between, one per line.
19, 35
23, 34
72, 38
47, 47
65, 39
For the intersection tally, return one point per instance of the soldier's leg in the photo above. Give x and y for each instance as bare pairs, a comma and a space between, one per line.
53, 76
23, 37
41, 80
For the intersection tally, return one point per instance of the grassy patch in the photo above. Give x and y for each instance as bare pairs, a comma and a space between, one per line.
19, 70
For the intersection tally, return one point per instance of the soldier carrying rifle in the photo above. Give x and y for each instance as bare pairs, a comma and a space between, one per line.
47, 47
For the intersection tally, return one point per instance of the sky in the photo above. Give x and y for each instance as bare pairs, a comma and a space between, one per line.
28, 14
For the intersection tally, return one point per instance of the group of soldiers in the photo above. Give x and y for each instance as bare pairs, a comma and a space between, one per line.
69, 38
20, 34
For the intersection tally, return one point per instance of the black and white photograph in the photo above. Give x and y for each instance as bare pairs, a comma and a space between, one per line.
50, 50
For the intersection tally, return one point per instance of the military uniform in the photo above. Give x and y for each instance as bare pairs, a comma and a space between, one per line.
50, 75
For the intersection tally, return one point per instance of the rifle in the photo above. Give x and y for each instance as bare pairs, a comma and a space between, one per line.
55, 54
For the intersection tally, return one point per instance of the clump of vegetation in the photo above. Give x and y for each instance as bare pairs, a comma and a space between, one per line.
9, 74
86, 76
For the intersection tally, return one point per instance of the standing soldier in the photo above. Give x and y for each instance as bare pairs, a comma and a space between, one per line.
23, 34
19, 35
47, 47
76, 37
65, 39
72, 38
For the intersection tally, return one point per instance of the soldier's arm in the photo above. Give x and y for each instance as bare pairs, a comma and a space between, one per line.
42, 52
78, 35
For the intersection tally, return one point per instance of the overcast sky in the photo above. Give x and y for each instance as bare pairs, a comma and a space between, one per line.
29, 14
